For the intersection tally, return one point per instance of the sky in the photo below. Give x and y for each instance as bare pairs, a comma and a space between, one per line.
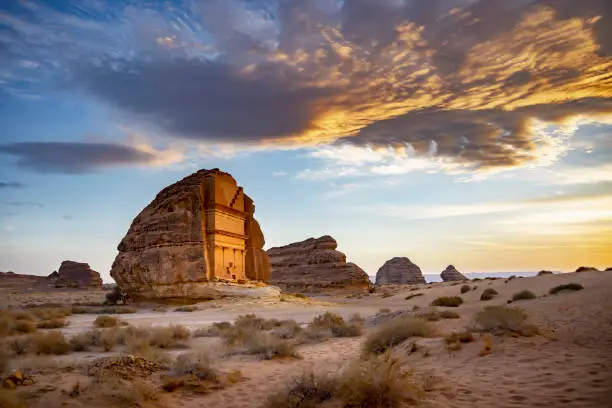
476, 133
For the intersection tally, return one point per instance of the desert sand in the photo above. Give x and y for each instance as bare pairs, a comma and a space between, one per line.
568, 364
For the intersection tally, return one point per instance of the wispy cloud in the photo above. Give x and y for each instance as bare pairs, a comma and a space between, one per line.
25, 204
11, 184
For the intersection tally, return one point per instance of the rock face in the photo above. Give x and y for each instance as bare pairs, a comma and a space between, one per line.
196, 239
451, 274
76, 275
313, 266
399, 271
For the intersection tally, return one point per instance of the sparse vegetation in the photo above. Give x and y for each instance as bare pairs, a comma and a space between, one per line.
488, 294
200, 363
384, 310
413, 296
333, 324
84, 341
447, 301
173, 336
120, 393
504, 320
465, 288
186, 309
523, 295
53, 342
106, 321
435, 315
396, 332
55, 323
269, 346
568, 287
306, 391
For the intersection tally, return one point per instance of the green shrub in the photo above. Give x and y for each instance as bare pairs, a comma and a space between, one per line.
567, 287
488, 294
523, 295
447, 301
396, 332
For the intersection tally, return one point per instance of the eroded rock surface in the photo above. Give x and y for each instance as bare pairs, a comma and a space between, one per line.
73, 274
399, 270
451, 274
314, 265
197, 239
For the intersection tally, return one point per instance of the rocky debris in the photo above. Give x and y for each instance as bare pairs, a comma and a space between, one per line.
16, 379
125, 367
196, 239
73, 274
587, 269
451, 274
314, 265
399, 270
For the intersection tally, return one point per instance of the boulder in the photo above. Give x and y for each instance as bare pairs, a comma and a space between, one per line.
587, 269
73, 274
399, 270
608, 269
451, 274
197, 239
313, 266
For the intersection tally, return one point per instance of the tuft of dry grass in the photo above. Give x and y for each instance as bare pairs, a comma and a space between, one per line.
13, 322
488, 294
106, 321
306, 391
523, 295
269, 346
23, 327
54, 323
447, 301
504, 320
44, 313
84, 341
200, 363
173, 336
334, 325
396, 332
570, 287
53, 343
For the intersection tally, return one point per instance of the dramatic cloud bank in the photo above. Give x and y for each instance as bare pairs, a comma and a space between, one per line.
465, 81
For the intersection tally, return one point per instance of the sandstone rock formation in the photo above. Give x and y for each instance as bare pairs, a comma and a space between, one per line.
73, 274
399, 270
196, 239
314, 265
451, 274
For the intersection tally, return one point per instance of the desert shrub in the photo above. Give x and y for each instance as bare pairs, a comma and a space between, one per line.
384, 310
503, 320
254, 322
84, 341
523, 295
289, 329
173, 336
51, 313
186, 309
216, 330
567, 287
447, 301
300, 295
53, 342
377, 382
269, 346
488, 294
10, 399
23, 327
356, 318
465, 288
333, 324
200, 363
306, 391
55, 323
22, 315
106, 321
19, 345
109, 339
5, 358
395, 332
413, 296
449, 314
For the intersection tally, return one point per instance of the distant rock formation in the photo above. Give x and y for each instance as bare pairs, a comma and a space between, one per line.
73, 274
451, 274
587, 269
544, 272
314, 265
608, 269
196, 239
399, 270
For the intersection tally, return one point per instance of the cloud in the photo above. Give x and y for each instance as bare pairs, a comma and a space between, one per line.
11, 184
67, 217
77, 157
465, 82
25, 204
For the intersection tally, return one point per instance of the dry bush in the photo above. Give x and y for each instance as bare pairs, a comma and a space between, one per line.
215, 330
465, 288
16, 322
44, 313
488, 294
377, 382
109, 339
10, 399
568, 287
448, 314
55, 323
523, 295
186, 309
269, 346
19, 345
384, 310
447, 301
289, 329
436, 315
413, 295
396, 332
504, 320
356, 318
200, 363
254, 322
334, 325
173, 336
106, 321
49, 343
84, 341
23, 327
5, 358
22, 315
306, 391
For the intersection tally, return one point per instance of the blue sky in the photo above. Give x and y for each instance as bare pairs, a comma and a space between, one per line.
471, 132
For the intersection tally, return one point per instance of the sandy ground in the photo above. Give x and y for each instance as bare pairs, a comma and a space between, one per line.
568, 365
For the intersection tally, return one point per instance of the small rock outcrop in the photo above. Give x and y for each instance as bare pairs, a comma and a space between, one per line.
197, 239
608, 269
587, 269
451, 274
399, 271
545, 272
314, 265
73, 274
